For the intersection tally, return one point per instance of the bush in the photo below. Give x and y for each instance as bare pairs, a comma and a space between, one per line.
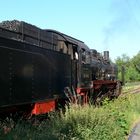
112, 121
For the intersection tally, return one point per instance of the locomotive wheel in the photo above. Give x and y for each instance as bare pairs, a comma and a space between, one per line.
102, 95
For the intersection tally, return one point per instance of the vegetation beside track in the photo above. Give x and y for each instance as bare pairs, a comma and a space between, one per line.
131, 67
112, 121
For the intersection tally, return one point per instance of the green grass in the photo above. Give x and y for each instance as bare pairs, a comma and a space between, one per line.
112, 121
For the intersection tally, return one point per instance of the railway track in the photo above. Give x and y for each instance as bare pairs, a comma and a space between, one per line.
134, 90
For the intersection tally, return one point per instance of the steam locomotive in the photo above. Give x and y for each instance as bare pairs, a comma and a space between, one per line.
41, 68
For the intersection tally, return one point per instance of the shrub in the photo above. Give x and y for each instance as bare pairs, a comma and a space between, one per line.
112, 121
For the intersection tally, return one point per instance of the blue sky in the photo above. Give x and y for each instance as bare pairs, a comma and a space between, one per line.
112, 25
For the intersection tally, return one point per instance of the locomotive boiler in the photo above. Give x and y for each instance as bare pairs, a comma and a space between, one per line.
37, 65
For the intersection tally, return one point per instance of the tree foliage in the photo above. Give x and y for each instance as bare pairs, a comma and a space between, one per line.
131, 66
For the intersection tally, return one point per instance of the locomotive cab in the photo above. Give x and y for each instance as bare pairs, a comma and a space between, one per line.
86, 76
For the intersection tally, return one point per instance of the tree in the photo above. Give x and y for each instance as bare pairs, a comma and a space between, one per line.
122, 61
136, 62
132, 67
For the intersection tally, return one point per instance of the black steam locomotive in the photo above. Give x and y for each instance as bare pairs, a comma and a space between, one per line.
42, 68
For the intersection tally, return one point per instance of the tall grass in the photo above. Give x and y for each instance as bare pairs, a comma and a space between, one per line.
112, 121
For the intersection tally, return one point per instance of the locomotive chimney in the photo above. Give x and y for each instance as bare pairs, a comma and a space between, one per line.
106, 55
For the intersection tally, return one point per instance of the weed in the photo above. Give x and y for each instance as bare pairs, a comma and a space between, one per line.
112, 121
